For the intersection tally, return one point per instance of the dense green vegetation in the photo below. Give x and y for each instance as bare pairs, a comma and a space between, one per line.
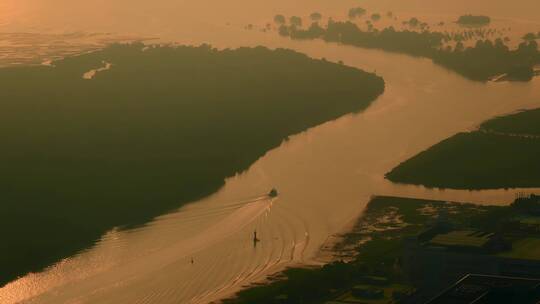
376, 17
531, 36
378, 252
295, 21
161, 127
524, 122
376, 264
356, 12
502, 154
280, 19
316, 16
487, 59
474, 20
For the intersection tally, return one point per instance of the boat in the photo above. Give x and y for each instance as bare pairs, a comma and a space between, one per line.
273, 193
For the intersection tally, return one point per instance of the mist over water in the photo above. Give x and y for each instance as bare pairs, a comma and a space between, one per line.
222, 23
325, 175
162, 16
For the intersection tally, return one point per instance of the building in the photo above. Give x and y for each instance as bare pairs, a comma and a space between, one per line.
432, 265
484, 289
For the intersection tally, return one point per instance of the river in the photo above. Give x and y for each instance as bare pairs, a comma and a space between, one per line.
325, 175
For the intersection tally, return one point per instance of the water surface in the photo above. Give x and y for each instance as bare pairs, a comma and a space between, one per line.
325, 175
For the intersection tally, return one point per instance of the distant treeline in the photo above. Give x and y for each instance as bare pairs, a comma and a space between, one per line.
503, 153
162, 127
486, 60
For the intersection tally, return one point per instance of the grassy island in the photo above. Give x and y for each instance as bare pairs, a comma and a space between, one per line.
116, 137
503, 153
484, 61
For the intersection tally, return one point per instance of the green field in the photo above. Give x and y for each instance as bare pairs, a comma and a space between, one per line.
527, 248
463, 238
388, 291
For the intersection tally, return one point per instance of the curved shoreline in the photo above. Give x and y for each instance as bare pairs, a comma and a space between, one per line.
500, 154
135, 146
351, 134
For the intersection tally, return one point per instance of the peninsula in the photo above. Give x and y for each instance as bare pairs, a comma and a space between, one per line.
154, 127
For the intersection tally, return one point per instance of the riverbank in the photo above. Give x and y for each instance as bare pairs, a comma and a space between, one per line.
502, 153
325, 176
369, 255
479, 55
406, 250
162, 127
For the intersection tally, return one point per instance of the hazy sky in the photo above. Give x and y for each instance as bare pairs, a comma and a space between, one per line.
522, 9
152, 16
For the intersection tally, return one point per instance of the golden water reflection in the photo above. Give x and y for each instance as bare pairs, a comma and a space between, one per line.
325, 175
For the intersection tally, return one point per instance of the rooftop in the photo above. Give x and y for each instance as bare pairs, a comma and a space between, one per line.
483, 289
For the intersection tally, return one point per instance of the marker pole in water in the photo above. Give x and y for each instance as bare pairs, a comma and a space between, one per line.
255, 239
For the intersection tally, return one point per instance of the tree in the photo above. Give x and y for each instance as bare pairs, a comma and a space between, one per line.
356, 12
284, 30
296, 21
529, 37
499, 45
414, 21
316, 16
529, 48
279, 19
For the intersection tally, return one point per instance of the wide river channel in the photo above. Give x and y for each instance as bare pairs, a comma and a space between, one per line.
325, 175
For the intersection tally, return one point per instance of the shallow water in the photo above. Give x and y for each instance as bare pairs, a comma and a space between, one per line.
325, 176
